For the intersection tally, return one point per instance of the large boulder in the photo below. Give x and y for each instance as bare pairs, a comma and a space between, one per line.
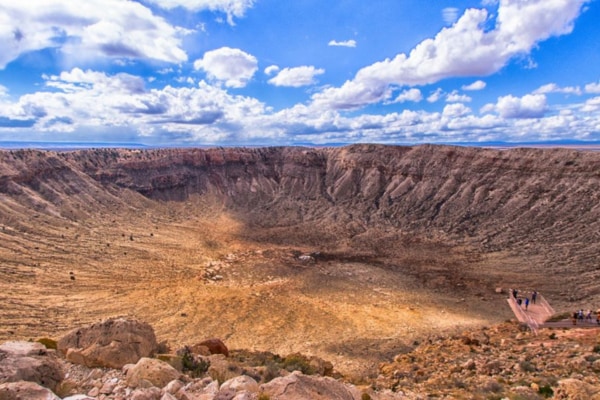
25, 391
111, 343
32, 362
242, 383
214, 346
299, 386
151, 371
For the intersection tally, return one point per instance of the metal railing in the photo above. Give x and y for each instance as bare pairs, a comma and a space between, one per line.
523, 316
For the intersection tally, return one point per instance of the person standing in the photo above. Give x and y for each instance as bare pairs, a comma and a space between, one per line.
526, 303
533, 296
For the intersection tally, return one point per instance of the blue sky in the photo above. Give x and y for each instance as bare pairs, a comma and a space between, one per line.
273, 72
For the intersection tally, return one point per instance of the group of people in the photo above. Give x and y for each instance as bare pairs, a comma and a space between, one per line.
584, 316
526, 300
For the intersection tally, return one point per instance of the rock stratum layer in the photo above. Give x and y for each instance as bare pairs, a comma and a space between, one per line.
505, 199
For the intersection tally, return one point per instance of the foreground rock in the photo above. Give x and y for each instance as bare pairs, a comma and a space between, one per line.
574, 389
32, 362
298, 386
502, 361
111, 343
151, 372
25, 391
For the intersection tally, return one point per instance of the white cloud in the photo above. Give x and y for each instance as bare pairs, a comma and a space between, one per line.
84, 101
455, 97
477, 85
435, 96
297, 76
78, 80
591, 105
554, 88
456, 110
450, 15
233, 67
233, 8
3, 91
271, 69
344, 43
593, 88
528, 106
412, 94
77, 102
102, 28
467, 48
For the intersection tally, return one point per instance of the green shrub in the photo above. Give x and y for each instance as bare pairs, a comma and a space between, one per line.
546, 391
195, 367
297, 362
559, 317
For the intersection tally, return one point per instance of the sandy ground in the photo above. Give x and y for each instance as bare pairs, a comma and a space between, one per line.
194, 272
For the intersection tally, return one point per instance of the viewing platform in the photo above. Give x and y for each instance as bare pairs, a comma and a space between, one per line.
536, 314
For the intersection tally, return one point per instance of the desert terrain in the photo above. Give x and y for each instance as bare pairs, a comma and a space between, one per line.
350, 254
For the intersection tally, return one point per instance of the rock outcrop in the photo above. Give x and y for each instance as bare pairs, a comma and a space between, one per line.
24, 390
31, 362
111, 343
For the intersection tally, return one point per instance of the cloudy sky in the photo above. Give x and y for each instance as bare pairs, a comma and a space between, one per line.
311, 72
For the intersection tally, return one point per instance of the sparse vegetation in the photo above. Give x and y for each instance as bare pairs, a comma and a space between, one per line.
546, 391
193, 365
559, 317
48, 343
298, 362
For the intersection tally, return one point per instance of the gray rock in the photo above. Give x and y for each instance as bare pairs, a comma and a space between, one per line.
24, 361
241, 383
173, 387
25, 391
146, 394
23, 349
